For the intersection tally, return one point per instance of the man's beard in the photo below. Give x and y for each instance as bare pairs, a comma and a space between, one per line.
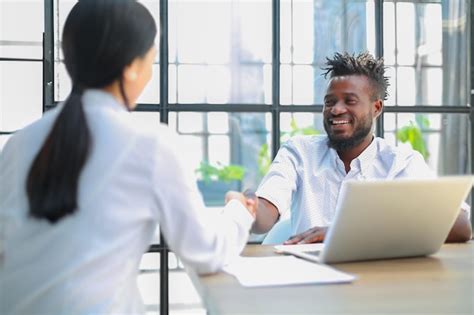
345, 144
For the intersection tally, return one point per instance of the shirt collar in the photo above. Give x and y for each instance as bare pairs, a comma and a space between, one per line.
367, 157
101, 98
362, 162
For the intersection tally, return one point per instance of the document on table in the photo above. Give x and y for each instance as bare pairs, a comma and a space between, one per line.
283, 270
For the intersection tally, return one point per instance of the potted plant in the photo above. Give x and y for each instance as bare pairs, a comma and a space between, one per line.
217, 179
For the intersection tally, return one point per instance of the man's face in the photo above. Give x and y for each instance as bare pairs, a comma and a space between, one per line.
349, 111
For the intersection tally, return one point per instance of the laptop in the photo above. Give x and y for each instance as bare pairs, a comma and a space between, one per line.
381, 219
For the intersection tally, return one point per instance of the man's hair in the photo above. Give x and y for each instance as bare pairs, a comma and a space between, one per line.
362, 64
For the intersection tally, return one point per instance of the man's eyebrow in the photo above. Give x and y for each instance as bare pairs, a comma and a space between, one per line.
351, 94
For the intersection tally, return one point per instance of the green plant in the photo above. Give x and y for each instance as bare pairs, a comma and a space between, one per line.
295, 130
413, 135
219, 172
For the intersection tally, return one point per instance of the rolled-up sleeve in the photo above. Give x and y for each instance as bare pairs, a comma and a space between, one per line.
280, 183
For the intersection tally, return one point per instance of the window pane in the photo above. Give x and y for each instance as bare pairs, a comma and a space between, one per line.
431, 39
221, 51
406, 86
296, 124
20, 94
62, 82
419, 32
190, 88
187, 123
405, 33
389, 31
312, 31
286, 79
443, 139
303, 85
227, 150
21, 28
218, 122
219, 150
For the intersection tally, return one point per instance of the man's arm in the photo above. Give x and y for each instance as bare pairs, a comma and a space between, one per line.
266, 212
267, 216
461, 230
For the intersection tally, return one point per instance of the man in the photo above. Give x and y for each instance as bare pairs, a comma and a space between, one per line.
308, 171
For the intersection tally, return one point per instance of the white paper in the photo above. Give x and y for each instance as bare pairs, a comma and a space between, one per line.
283, 270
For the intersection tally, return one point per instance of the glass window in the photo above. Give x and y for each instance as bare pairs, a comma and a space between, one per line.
425, 45
21, 29
296, 124
312, 31
228, 151
62, 81
220, 52
21, 94
442, 139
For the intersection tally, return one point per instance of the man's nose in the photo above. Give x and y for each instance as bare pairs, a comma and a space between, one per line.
338, 108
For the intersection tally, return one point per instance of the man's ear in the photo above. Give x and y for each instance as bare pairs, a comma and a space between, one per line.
378, 107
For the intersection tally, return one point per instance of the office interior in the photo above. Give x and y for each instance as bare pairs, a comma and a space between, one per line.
237, 78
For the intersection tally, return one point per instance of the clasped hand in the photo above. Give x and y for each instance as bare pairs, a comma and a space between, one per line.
313, 235
247, 198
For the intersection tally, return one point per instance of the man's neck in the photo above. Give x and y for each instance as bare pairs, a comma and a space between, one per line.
348, 155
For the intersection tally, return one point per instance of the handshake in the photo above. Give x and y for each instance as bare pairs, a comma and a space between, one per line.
248, 198
269, 215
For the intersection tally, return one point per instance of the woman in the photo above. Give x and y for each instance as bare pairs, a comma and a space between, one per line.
86, 186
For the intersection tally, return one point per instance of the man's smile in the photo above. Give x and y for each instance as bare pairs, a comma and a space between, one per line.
336, 121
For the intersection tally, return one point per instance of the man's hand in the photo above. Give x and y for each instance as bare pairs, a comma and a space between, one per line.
313, 235
248, 199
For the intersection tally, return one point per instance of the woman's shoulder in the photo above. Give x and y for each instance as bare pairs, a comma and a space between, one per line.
36, 131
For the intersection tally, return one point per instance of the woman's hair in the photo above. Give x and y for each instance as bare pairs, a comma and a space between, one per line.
100, 38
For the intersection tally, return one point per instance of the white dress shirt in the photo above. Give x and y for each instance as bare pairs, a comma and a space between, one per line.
306, 176
87, 263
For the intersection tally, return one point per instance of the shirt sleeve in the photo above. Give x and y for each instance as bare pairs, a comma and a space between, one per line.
2, 200
6, 171
204, 239
280, 183
415, 167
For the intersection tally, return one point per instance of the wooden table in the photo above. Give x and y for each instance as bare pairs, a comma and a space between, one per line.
439, 284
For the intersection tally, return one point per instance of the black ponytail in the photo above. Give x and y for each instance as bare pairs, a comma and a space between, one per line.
100, 38
54, 175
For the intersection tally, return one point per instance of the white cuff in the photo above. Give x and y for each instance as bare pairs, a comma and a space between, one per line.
238, 213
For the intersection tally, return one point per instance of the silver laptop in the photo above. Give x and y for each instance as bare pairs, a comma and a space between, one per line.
382, 219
